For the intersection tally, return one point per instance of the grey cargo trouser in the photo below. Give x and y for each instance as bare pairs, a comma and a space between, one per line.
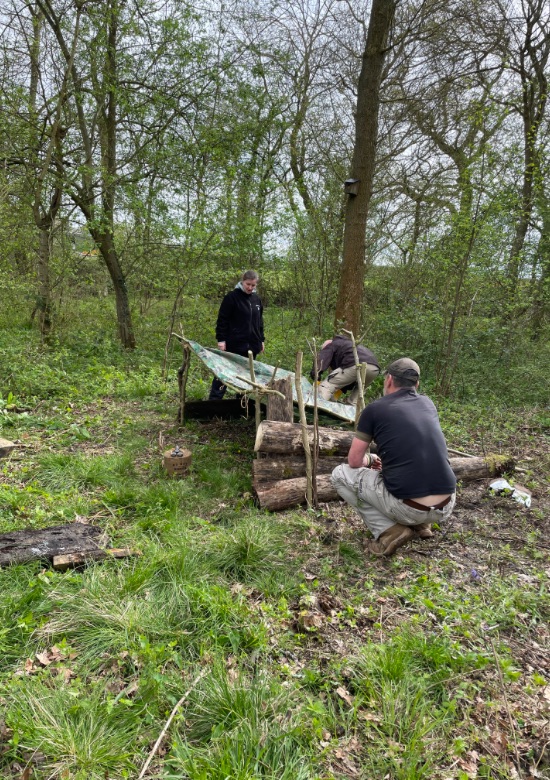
342, 377
364, 489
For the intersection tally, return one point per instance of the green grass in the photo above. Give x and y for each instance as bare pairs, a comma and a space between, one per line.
73, 730
242, 726
321, 664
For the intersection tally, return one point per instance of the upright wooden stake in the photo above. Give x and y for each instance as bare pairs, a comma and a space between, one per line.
303, 422
360, 400
257, 409
182, 378
315, 456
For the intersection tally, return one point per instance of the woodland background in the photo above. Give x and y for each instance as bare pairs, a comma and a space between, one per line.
152, 151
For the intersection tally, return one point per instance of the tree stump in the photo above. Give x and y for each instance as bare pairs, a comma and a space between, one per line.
281, 409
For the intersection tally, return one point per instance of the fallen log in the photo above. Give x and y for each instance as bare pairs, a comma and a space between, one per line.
285, 493
273, 470
31, 544
286, 438
491, 465
292, 492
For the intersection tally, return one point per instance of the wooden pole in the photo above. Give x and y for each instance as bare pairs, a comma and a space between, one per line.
315, 458
257, 410
182, 377
303, 423
360, 399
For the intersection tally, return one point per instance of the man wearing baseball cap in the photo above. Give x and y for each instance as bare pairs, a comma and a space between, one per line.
409, 485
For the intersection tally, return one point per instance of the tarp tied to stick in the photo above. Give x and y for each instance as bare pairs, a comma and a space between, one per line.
233, 371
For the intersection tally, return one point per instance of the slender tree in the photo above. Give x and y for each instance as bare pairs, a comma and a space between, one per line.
350, 292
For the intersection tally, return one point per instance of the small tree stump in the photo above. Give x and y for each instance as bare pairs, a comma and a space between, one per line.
278, 408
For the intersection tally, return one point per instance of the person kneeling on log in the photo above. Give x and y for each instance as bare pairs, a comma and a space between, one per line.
411, 485
337, 354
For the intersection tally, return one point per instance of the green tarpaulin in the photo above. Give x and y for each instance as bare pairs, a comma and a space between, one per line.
233, 370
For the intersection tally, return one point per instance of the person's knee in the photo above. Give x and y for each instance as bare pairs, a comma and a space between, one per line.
336, 476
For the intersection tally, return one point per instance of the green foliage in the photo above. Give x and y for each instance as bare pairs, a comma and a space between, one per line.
71, 730
242, 727
404, 683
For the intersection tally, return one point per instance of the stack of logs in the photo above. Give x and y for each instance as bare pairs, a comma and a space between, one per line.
280, 475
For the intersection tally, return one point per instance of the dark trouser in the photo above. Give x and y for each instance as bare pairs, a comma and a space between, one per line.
217, 391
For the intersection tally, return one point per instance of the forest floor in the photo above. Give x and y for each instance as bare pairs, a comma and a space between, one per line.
316, 659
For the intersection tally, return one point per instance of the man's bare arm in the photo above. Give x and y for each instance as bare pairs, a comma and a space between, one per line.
357, 452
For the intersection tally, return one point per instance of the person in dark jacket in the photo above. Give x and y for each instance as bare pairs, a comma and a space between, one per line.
337, 354
240, 324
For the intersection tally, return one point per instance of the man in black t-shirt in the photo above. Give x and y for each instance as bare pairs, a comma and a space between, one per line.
409, 484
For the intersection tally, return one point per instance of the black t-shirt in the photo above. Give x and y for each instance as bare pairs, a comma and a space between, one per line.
410, 442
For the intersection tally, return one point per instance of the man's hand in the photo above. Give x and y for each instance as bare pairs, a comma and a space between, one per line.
263, 347
372, 461
221, 345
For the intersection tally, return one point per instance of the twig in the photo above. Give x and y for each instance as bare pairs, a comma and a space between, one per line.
169, 721
274, 374
463, 454
183, 374
170, 334
261, 388
315, 456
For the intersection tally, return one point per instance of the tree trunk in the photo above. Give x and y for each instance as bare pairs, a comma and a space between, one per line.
106, 245
44, 302
531, 62
350, 292
286, 438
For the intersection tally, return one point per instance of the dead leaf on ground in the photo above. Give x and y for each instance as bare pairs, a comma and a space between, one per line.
345, 695
44, 658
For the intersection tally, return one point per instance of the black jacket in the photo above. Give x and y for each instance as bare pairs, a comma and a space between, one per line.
339, 354
240, 322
